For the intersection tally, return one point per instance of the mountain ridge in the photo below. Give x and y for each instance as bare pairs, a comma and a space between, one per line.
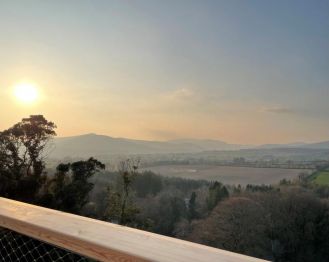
97, 145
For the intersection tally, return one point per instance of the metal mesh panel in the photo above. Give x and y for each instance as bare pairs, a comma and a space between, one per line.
17, 247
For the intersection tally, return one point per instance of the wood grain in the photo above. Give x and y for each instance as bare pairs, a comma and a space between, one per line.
105, 241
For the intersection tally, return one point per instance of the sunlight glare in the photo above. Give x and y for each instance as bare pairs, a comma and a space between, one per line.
26, 92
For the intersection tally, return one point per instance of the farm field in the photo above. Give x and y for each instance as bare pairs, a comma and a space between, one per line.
228, 174
321, 178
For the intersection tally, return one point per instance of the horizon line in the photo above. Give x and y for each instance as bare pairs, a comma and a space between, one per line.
197, 139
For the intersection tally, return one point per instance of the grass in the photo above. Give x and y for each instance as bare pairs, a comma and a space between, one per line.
321, 178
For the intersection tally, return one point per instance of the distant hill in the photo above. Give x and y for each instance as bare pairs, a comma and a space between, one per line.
301, 145
100, 145
321, 145
208, 144
290, 145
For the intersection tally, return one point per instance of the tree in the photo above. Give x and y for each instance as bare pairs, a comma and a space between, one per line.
217, 192
71, 187
167, 211
236, 224
147, 183
192, 213
121, 208
298, 227
22, 152
287, 225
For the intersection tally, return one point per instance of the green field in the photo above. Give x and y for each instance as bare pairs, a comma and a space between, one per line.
321, 178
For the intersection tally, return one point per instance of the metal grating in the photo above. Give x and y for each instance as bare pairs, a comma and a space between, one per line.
17, 247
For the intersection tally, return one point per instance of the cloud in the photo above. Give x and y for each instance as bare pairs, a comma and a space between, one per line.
182, 99
278, 110
181, 94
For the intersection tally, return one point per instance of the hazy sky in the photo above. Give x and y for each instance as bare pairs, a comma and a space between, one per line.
239, 71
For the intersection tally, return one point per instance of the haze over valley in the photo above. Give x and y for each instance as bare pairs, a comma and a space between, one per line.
100, 145
198, 159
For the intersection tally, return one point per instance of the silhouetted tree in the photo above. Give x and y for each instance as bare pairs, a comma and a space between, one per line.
71, 186
22, 149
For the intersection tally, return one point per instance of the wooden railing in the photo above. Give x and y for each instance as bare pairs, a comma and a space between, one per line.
104, 241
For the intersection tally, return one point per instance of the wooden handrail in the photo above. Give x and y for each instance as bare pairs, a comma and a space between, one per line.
104, 241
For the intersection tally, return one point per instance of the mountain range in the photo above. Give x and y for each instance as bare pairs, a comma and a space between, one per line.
101, 145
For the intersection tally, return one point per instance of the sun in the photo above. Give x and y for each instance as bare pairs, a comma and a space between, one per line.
26, 92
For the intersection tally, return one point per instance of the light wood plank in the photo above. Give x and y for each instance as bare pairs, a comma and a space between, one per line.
105, 241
